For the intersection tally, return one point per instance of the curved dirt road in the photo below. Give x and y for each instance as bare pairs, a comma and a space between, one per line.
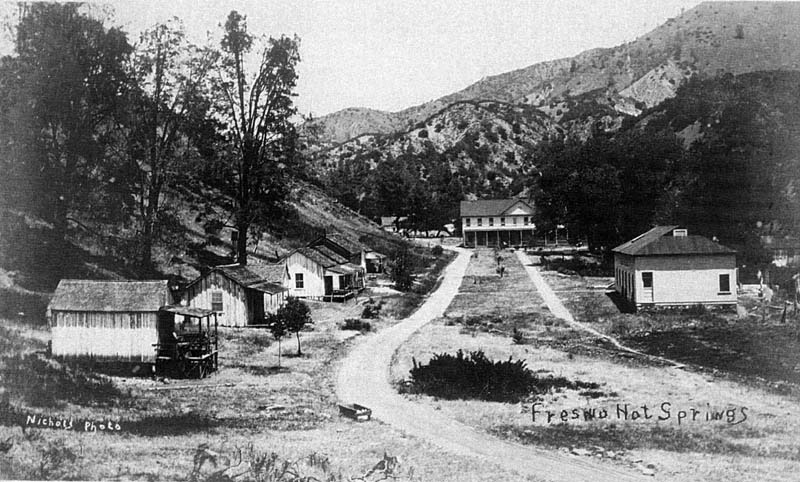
363, 378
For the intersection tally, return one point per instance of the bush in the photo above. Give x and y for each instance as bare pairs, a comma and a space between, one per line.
354, 324
371, 310
423, 134
473, 377
437, 250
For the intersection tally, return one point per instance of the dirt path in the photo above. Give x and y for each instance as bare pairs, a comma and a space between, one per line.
560, 311
363, 378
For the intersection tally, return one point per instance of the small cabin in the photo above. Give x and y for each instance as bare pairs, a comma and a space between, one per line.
668, 267
324, 270
107, 320
241, 295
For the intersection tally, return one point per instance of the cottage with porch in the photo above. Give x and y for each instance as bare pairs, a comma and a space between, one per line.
241, 295
497, 222
667, 267
107, 320
324, 270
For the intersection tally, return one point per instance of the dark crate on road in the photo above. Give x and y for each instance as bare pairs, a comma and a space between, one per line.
355, 411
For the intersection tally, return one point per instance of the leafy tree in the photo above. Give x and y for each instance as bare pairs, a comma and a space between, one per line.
401, 266
169, 107
295, 315
68, 79
277, 326
258, 110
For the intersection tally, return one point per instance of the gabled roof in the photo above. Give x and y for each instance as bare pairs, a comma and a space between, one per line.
490, 207
239, 273
352, 245
271, 272
249, 275
659, 241
110, 296
314, 255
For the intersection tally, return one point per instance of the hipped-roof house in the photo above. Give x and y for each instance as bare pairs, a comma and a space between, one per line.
666, 266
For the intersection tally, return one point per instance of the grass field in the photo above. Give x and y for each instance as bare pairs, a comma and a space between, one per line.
249, 414
762, 446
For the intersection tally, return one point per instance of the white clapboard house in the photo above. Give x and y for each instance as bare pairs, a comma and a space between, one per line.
241, 295
668, 267
497, 222
107, 320
324, 270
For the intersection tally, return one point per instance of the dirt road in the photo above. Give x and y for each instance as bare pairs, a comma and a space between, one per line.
560, 311
363, 378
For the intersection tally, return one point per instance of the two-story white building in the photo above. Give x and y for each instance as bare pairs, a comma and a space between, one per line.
497, 222
667, 267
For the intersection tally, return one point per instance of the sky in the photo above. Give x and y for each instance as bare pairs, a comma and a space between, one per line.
389, 55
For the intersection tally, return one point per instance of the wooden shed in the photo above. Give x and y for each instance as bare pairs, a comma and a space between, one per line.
323, 270
241, 295
107, 320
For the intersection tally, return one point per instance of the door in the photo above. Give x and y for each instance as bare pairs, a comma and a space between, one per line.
328, 285
647, 287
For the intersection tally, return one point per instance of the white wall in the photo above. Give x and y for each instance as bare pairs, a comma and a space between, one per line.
113, 336
234, 304
685, 279
313, 284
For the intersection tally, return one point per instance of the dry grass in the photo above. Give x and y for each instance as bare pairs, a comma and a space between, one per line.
762, 447
289, 412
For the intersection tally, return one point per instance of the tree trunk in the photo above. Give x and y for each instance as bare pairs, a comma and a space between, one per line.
241, 241
299, 353
279, 352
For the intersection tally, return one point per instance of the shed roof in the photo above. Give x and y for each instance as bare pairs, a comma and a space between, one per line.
110, 296
659, 241
490, 207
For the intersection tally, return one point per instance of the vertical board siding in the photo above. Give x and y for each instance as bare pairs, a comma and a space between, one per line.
313, 283
234, 301
124, 336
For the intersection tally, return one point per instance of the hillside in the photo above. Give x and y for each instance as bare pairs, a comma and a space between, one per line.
708, 40
32, 259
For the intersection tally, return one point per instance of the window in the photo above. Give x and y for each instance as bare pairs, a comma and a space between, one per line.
525, 220
298, 281
514, 220
647, 280
480, 221
502, 221
724, 283
468, 221
216, 301
491, 221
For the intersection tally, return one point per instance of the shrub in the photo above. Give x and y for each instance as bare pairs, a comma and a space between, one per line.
437, 250
371, 310
517, 337
473, 377
423, 134
354, 324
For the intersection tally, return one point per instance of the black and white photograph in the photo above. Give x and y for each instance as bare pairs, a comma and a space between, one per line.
429, 241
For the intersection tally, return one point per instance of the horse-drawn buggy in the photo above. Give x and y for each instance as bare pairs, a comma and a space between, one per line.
187, 345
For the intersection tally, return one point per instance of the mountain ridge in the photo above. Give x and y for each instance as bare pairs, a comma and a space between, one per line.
710, 39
